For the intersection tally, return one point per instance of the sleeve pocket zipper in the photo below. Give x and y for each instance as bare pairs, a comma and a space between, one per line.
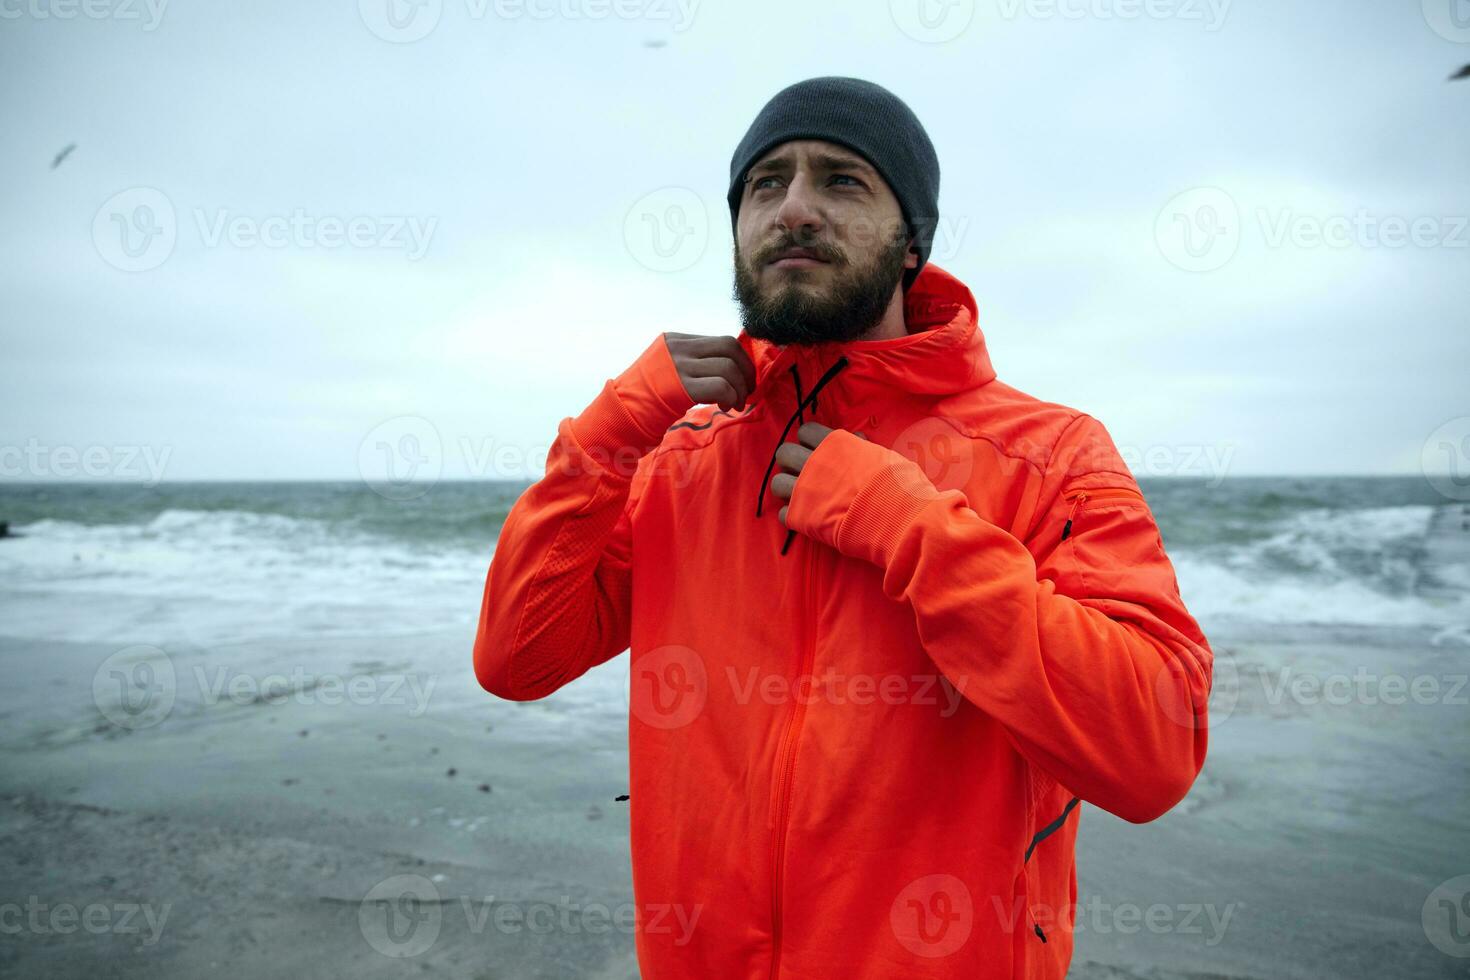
1040, 836
1101, 493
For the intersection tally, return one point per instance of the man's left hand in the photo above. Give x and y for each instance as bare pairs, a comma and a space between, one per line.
792, 456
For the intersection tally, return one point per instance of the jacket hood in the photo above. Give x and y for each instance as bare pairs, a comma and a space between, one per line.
944, 351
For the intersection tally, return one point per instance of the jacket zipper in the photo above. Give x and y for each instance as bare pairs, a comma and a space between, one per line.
1036, 839
1104, 493
787, 758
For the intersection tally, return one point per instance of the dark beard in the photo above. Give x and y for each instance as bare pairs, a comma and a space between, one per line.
857, 300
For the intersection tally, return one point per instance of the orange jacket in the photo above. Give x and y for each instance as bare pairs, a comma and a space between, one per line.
854, 747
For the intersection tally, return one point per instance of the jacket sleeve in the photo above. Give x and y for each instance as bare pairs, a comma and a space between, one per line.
1076, 639
557, 597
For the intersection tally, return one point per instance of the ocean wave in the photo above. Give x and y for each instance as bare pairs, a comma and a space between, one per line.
1321, 565
287, 563
1312, 565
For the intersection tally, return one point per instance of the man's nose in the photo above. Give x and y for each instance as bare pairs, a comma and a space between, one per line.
800, 213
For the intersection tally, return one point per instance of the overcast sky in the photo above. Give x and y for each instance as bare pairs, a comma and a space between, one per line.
292, 232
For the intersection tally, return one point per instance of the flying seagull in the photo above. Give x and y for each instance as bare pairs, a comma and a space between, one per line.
1462, 73
66, 152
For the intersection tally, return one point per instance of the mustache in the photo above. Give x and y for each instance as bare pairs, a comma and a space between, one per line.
824, 251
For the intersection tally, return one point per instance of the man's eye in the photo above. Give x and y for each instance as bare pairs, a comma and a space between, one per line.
771, 181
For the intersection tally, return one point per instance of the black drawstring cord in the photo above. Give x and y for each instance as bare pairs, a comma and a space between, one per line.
801, 420
799, 414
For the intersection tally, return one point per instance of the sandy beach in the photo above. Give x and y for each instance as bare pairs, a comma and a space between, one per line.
258, 817
253, 832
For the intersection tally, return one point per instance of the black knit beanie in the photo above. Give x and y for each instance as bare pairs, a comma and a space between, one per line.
866, 118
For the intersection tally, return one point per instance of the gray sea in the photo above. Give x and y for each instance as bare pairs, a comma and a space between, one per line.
1310, 550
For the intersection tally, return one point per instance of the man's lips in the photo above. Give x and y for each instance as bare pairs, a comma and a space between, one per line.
797, 258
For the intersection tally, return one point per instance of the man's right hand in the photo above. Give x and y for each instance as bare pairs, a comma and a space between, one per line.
714, 370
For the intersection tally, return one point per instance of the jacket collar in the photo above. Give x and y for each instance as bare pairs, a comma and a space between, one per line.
944, 351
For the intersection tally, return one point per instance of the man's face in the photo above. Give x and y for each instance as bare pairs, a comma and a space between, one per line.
820, 245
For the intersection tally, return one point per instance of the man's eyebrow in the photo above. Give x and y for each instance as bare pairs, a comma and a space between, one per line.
823, 161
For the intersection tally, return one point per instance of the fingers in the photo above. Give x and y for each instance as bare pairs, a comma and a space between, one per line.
715, 391
792, 456
728, 349
700, 358
812, 433
721, 367
725, 354
731, 348
723, 346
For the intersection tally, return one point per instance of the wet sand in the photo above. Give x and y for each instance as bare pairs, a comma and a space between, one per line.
246, 826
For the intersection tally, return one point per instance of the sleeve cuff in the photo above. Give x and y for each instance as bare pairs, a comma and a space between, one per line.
634, 410
859, 497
